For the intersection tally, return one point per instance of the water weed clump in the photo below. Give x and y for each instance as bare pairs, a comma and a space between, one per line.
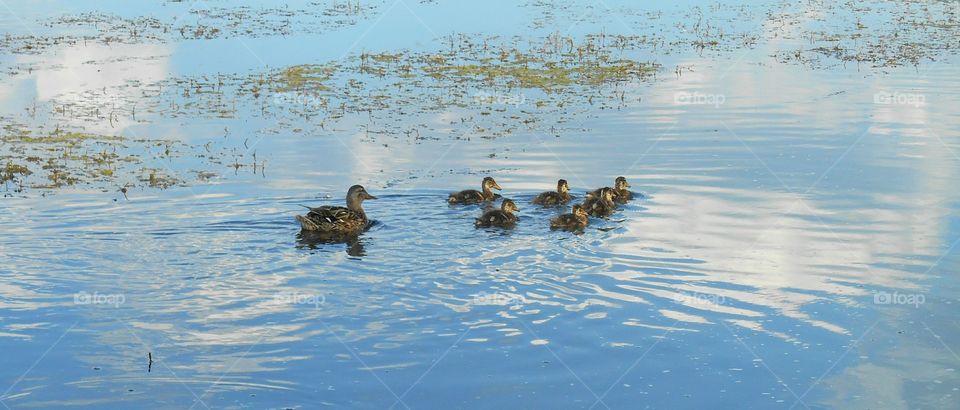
495, 86
49, 160
200, 22
879, 35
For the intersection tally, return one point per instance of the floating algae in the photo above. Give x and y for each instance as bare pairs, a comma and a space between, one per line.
12, 172
495, 86
878, 35
484, 86
583, 66
58, 159
303, 78
211, 23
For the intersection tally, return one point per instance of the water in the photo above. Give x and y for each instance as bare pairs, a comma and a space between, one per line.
795, 246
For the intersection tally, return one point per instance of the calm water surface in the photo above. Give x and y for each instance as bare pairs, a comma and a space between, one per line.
794, 246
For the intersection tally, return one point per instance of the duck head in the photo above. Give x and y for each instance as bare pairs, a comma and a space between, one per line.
563, 187
579, 212
607, 195
509, 207
489, 183
621, 184
356, 195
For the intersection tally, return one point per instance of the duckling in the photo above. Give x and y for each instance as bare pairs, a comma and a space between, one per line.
620, 192
600, 205
472, 196
574, 221
554, 198
502, 217
337, 220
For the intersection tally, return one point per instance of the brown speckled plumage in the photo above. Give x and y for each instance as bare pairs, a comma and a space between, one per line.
337, 220
620, 192
554, 198
577, 220
601, 204
502, 217
472, 196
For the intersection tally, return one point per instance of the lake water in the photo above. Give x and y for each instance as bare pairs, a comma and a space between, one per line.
795, 245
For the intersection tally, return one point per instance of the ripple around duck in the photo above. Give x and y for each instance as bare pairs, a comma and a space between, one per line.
232, 279
239, 265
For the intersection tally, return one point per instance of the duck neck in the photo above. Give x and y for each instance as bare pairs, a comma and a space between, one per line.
487, 193
355, 204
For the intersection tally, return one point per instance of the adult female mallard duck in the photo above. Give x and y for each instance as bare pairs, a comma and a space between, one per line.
337, 220
472, 196
554, 198
574, 221
502, 217
620, 192
600, 205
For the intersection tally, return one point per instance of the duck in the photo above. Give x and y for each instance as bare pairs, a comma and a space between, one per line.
600, 205
337, 220
577, 220
620, 192
472, 196
503, 217
554, 198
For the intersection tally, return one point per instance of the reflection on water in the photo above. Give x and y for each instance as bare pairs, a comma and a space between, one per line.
777, 258
317, 240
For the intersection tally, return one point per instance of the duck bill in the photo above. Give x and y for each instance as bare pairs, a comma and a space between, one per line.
496, 186
368, 196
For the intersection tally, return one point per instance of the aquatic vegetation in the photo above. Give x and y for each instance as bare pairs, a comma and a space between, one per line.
157, 178
303, 78
11, 172
56, 159
68, 138
486, 87
497, 87
878, 35
217, 22
520, 71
